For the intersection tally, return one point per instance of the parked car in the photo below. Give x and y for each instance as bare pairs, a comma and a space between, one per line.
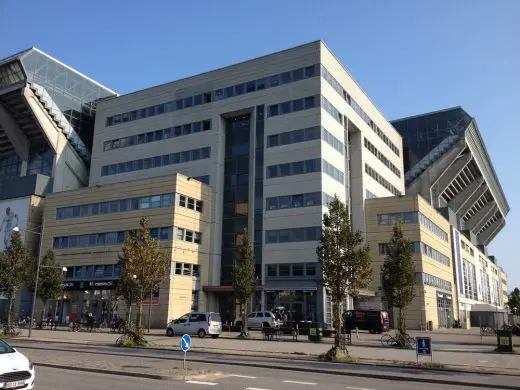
196, 323
259, 320
375, 321
16, 371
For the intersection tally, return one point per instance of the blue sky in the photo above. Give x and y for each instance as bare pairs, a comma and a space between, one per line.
409, 56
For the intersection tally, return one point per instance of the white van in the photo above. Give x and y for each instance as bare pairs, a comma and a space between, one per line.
196, 323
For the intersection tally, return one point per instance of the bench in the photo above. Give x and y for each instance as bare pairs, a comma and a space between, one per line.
271, 333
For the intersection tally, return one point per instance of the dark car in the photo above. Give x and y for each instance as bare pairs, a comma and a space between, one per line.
375, 321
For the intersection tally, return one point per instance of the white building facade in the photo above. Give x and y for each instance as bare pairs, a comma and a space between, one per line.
275, 137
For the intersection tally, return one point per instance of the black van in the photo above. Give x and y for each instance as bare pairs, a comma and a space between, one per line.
375, 321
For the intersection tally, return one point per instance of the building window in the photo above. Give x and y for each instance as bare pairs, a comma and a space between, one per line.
381, 180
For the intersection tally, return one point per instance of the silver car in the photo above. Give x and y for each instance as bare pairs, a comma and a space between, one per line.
260, 320
196, 323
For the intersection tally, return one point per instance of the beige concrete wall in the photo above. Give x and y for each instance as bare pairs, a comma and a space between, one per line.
424, 305
175, 250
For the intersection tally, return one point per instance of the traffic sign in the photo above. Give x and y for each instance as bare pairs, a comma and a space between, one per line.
186, 343
424, 346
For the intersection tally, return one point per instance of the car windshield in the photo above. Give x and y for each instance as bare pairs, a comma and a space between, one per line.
5, 348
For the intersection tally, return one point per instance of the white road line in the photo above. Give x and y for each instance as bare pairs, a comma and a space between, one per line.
202, 383
301, 383
243, 376
357, 388
255, 388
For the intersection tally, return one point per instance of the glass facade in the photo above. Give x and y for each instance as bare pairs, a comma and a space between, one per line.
236, 189
259, 189
423, 133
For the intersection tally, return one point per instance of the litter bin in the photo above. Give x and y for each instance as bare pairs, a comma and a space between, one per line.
505, 340
315, 332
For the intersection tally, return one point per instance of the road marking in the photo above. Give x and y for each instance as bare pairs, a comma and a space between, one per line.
243, 376
255, 388
301, 383
202, 383
357, 388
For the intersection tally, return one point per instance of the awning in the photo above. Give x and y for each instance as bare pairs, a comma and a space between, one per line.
485, 307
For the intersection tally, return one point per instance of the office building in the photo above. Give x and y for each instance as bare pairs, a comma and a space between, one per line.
275, 138
434, 304
47, 112
87, 228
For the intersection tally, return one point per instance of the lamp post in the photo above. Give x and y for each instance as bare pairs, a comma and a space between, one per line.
17, 229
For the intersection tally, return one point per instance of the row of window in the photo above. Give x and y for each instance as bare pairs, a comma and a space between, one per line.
357, 108
421, 247
293, 106
430, 280
109, 271
215, 95
157, 161
298, 200
381, 180
306, 166
467, 248
333, 111
117, 206
279, 236
187, 269
298, 269
118, 238
382, 158
432, 227
158, 135
412, 217
302, 135
470, 279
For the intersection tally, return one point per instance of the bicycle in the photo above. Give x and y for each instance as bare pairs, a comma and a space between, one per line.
398, 339
11, 329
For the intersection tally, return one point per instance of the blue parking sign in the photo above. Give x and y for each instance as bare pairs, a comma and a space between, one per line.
186, 343
424, 346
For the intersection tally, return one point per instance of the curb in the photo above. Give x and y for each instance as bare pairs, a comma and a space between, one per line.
287, 368
268, 355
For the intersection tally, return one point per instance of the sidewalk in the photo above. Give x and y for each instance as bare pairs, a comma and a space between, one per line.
477, 357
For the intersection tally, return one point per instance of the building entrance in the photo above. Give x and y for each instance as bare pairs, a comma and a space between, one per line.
444, 310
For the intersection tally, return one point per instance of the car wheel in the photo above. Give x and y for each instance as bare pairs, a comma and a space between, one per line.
215, 336
170, 332
202, 333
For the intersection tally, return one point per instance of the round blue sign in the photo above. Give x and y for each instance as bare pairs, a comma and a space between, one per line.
186, 343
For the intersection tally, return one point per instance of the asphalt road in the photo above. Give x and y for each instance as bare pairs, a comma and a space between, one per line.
244, 379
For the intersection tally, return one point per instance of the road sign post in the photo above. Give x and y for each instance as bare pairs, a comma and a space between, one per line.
424, 347
185, 346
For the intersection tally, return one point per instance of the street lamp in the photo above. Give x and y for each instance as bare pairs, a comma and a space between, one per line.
38, 266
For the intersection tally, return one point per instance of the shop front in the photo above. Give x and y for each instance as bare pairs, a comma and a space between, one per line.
444, 309
90, 296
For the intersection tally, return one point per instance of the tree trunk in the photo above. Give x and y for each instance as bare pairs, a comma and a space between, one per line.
244, 318
10, 301
401, 322
336, 321
128, 313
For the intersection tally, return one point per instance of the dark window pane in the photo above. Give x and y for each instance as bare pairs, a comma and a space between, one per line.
273, 110
284, 270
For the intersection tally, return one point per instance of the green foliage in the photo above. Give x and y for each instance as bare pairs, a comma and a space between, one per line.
244, 279
132, 339
143, 265
14, 263
345, 260
50, 280
514, 301
399, 275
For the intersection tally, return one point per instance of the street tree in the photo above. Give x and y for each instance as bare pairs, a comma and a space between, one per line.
514, 302
345, 262
398, 273
50, 280
142, 263
244, 279
13, 271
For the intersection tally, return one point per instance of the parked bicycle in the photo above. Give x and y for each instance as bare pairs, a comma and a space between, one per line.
487, 331
397, 339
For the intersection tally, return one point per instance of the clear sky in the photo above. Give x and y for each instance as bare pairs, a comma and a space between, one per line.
410, 56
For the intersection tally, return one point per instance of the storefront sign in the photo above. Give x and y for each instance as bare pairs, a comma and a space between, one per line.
90, 285
444, 296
